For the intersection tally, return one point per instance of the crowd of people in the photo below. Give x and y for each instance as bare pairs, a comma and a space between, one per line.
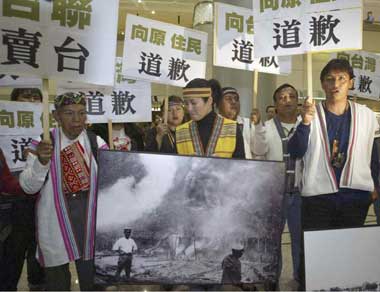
330, 152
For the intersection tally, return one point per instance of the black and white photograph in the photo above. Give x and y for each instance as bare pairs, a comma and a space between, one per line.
343, 259
169, 219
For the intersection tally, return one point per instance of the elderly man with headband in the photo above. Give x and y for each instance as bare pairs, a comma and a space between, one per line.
64, 171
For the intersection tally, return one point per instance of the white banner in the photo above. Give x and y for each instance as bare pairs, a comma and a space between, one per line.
233, 42
128, 102
342, 259
22, 118
13, 148
59, 39
297, 29
366, 70
275, 9
18, 81
20, 122
163, 53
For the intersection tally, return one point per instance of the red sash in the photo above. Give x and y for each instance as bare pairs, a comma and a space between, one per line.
76, 173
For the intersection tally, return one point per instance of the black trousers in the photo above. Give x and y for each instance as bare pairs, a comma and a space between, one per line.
58, 278
124, 263
20, 245
332, 211
5, 230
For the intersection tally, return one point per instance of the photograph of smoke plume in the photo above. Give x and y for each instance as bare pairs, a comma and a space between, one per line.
170, 219
343, 259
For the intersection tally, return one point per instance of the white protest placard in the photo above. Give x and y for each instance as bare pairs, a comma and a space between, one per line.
13, 149
19, 81
20, 122
295, 27
233, 42
367, 73
70, 40
22, 118
163, 53
273, 9
128, 102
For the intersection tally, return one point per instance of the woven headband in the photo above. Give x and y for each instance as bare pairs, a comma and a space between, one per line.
69, 98
230, 90
196, 92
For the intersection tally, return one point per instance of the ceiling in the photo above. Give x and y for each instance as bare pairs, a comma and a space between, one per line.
181, 11
171, 11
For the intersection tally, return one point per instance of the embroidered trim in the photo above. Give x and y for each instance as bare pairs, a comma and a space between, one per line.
59, 201
62, 210
183, 135
196, 140
325, 140
215, 132
228, 130
171, 139
351, 144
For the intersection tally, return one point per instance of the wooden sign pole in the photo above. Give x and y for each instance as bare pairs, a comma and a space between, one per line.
166, 109
255, 87
309, 74
46, 111
110, 139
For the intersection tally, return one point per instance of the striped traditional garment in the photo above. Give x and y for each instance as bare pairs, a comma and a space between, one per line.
318, 176
52, 211
222, 142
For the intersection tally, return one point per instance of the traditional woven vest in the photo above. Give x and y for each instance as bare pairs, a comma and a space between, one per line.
222, 142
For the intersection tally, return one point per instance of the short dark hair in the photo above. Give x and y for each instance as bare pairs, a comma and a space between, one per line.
339, 65
16, 92
268, 107
285, 85
174, 99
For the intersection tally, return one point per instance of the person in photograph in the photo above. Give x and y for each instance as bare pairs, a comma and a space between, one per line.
8, 185
335, 142
229, 107
370, 18
125, 136
231, 266
255, 116
165, 133
207, 133
271, 142
125, 247
375, 166
270, 111
64, 172
20, 245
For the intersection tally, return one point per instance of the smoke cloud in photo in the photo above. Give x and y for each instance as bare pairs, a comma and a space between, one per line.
186, 215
